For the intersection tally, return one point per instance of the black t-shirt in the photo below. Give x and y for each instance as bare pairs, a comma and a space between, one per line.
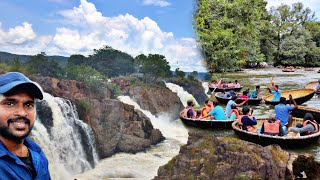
28, 162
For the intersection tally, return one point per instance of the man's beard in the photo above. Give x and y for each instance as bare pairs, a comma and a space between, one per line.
7, 133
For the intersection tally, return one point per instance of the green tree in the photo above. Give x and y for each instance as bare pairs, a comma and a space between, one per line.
77, 59
39, 64
111, 62
193, 75
286, 24
229, 32
179, 73
153, 66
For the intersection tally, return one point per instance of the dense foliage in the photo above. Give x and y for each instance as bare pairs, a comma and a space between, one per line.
235, 33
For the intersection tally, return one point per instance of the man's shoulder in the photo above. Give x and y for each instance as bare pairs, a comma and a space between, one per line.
32, 145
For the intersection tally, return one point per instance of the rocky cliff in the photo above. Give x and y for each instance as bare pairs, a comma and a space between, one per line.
209, 157
193, 87
117, 126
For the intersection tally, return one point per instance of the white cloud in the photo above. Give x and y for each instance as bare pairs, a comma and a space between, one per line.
314, 5
87, 29
160, 3
17, 35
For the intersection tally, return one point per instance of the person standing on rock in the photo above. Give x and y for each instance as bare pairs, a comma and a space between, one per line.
20, 158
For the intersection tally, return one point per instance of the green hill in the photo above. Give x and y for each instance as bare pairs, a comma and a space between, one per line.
7, 57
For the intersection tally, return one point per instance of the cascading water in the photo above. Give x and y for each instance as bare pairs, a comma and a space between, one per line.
143, 165
182, 94
205, 85
68, 142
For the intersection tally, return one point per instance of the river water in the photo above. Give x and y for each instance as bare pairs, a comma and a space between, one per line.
144, 165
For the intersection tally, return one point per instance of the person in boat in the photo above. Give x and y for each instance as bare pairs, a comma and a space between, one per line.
255, 93
189, 112
318, 86
248, 120
271, 127
223, 94
20, 157
234, 112
231, 93
208, 106
236, 84
276, 92
248, 92
244, 95
213, 84
217, 112
230, 84
232, 101
282, 112
309, 126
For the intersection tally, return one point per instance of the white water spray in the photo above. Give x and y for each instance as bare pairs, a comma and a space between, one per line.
69, 144
182, 94
143, 165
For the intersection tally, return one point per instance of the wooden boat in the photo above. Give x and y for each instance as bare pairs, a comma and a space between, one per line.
312, 85
302, 110
288, 70
226, 89
214, 124
284, 141
299, 95
252, 101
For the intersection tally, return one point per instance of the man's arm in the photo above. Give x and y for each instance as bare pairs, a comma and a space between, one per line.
294, 102
308, 127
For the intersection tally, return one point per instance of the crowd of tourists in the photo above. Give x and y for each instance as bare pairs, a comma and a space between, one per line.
278, 124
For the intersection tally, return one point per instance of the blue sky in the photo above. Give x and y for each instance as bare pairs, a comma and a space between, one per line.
65, 27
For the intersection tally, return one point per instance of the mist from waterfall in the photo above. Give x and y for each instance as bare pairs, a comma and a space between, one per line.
69, 144
182, 94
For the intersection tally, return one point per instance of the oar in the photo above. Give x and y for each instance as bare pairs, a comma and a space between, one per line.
215, 89
263, 97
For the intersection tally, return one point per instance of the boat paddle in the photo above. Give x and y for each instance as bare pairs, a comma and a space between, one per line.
263, 97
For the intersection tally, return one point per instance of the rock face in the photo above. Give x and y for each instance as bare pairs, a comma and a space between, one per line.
193, 87
117, 126
308, 165
209, 157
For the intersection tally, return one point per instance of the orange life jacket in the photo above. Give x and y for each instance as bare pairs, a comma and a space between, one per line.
235, 112
314, 123
184, 113
271, 128
204, 112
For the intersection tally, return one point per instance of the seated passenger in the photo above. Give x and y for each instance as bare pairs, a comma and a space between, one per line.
213, 84
248, 92
223, 94
234, 112
244, 95
207, 108
189, 111
271, 127
231, 93
247, 120
255, 93
236, 84
230, 84
309, 126
217, 112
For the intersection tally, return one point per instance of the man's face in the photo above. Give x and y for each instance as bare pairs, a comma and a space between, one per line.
17, 116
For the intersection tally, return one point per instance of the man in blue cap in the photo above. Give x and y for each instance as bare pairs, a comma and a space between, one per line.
20, 158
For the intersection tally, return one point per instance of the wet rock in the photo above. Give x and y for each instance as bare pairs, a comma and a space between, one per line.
306, 165
209, 157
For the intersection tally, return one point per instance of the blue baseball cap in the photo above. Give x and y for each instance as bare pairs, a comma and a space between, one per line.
19, 81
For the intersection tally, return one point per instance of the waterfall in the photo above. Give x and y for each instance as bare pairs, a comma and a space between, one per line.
182, 94
205, 85
66, 140
142, 165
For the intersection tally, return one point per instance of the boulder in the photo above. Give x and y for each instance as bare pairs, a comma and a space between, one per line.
210, 157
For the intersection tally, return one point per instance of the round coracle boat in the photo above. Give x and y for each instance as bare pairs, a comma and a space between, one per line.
213, 124
299, 95
312, 85
251, 101
288, 70
288, 141
226, 89
302, 110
